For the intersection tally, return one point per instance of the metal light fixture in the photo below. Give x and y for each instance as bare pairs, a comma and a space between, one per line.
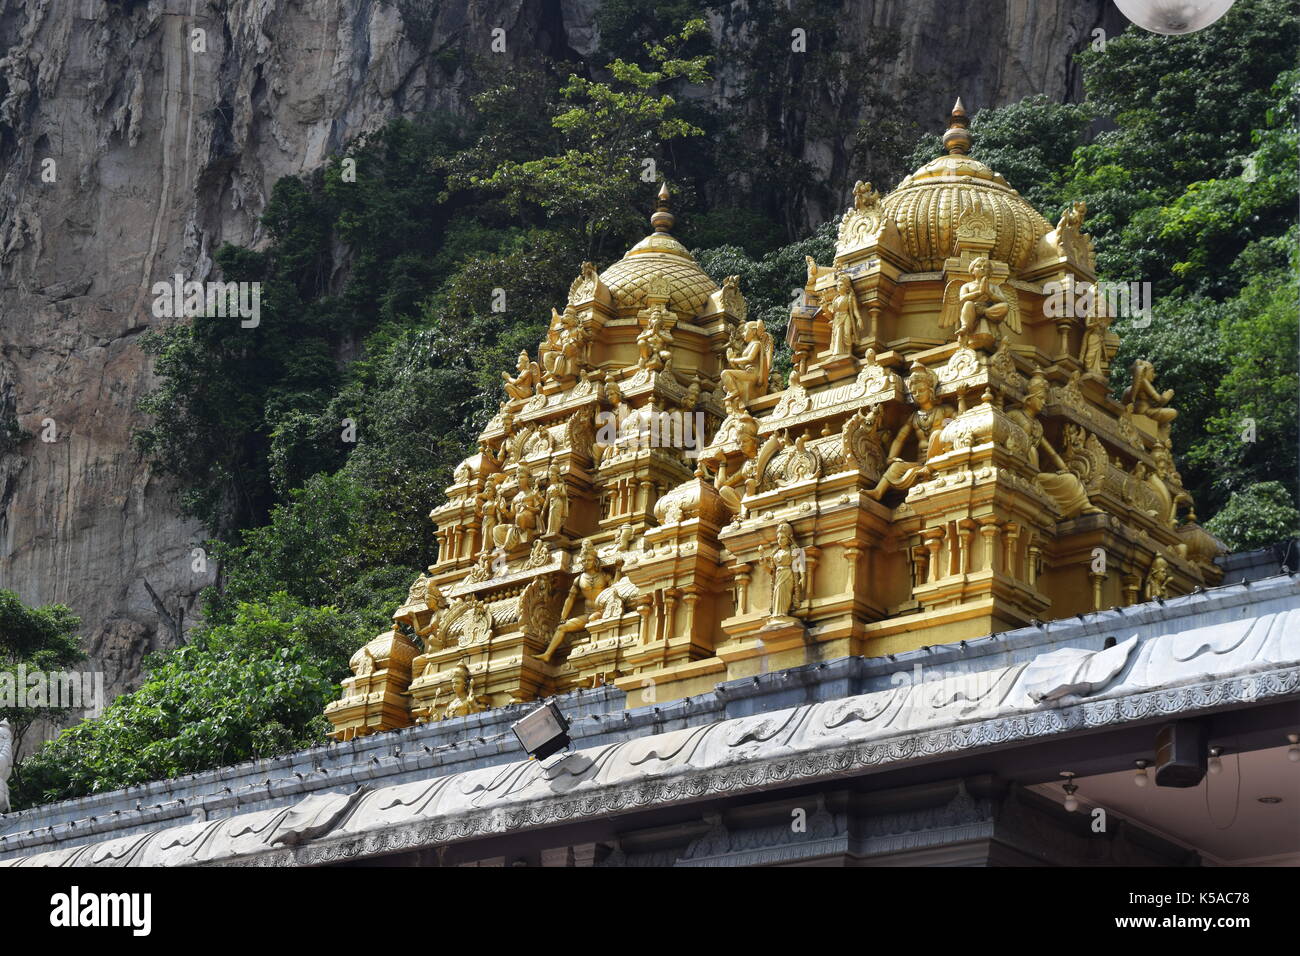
1173, 17
1215, 764
543, 732
1140, 774
1070, 787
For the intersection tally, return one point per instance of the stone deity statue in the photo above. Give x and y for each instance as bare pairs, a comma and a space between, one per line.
1062, 486
926, 424
785, 563
845, 316
593, 586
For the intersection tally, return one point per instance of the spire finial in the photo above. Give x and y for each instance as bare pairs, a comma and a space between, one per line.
957, 140
663, 219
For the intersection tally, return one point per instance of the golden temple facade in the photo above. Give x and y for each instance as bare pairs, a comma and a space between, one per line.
651, 508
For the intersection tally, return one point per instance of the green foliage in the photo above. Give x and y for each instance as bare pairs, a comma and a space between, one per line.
253, 687
608, 131
1187, 109
1250, 435
1256, 517
36, 639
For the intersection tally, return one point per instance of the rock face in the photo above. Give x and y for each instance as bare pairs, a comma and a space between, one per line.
136, 137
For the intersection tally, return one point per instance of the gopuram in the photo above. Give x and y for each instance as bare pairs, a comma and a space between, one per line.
653, 508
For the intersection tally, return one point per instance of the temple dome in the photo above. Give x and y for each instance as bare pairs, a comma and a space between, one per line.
659, 254
927, 204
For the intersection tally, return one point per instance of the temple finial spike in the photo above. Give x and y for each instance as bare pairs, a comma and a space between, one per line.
956, 141
663, 219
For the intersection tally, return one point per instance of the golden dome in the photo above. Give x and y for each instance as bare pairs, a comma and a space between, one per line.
659, 254
927, 204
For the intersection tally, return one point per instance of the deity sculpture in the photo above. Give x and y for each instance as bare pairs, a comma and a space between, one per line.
654, 344
557, 501
1144, 398
529, 378
748, 369
365, 662
594, 587
1158, 580
864, 195
491, 508
1092, 352
523, 520
565, 347
1072, 217
584, 287
844, 315
1167, 484
980, 307
463, 700
785, 562
434, 633
1063, 486
610, 423
926, 424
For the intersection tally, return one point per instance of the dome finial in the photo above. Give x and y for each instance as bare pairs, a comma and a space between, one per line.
957, 139
663, 219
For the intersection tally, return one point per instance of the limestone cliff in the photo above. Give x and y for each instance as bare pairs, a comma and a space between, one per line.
162, 151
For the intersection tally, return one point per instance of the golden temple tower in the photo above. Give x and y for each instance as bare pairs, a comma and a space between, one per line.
650, 509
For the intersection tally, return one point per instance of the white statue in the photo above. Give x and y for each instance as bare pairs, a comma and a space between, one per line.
6, 763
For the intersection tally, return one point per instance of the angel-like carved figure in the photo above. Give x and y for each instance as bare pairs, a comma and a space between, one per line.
595, 587
926, 424
1146, 400
979, 307
785, 562
844, 315
1063, 486
747, 369
523, 385
655, 343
